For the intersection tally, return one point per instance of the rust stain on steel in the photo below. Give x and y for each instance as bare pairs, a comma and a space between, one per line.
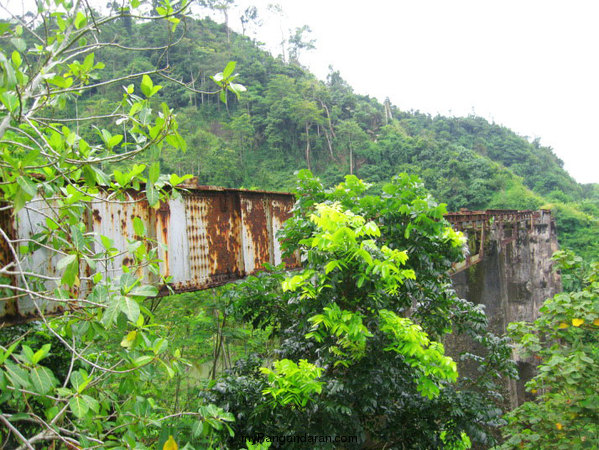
223, 232
214, 236
256, 232
506, 220
281, 211
163, 217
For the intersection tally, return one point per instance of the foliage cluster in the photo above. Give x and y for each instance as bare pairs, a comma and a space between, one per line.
565, 340
361, 327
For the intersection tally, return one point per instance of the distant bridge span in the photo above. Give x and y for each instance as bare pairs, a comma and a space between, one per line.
213, 236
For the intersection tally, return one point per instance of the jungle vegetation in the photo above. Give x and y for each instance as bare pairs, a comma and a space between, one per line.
349, 345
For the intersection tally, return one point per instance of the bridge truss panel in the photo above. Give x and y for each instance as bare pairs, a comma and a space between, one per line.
208, 237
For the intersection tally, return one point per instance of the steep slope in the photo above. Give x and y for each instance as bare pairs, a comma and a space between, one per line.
288, 120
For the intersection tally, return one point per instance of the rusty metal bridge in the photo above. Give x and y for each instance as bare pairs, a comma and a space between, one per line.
506, 224
211, 236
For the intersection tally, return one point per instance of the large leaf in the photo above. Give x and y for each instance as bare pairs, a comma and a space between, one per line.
92, 403
152, 195
146, 85
229, 69
41, 353
111, 313
139, 227
64, 262
130, 307
19, 377
70, 276
43, 379
170, 444
79, 406
145, 290
78, 239
154, 173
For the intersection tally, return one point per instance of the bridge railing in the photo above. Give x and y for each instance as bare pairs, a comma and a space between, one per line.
476, 225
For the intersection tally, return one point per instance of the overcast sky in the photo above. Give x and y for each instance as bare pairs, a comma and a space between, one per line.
529, 65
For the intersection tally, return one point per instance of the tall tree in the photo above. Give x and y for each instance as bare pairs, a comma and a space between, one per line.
351, 137
85, 378
224, 7
299, 42
360, 327
249, 16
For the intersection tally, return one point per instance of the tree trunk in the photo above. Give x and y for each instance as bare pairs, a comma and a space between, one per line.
308, 146
226, 14
351, 158
324, 105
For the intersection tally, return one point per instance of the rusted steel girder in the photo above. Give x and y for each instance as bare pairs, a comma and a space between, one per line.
211, 236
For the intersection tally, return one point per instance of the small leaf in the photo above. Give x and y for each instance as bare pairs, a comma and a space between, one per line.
92, 403
145, 290
88, 62
80, 20
170, 444
128, 340
19, 44
139, 227
154, 173
229, 69
16, 59
10, 100
4, 355
78, 239
142, 360
27, 354
18, 376
41, 353
152, 195
64, 262
146, 85
175, 180
114, 140
70, 276
26, 184
111, 313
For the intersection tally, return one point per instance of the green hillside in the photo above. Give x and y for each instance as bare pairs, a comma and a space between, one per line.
289, 120
350, 345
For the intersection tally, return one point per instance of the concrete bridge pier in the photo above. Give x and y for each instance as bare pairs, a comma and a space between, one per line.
512, 281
